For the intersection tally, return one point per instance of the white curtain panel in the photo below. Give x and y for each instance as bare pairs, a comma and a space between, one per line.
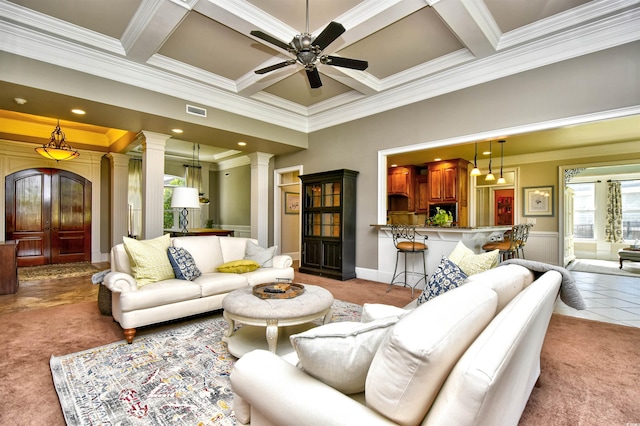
135, 197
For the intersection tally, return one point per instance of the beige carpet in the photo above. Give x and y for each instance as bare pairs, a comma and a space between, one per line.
629, 269
60, 270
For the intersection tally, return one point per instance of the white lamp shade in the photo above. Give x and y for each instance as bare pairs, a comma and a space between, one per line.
184, 197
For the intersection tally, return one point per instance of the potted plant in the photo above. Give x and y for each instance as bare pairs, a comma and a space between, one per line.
441, 218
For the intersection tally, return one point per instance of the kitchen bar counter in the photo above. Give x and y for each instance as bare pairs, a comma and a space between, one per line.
441, 242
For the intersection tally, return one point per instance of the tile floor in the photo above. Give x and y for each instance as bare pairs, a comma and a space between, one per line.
609, 298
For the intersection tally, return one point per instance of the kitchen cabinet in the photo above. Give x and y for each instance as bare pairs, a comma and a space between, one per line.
329, 224
448, 182
422, 194
400, 181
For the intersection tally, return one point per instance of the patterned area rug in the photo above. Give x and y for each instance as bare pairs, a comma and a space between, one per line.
60, 270
179, 376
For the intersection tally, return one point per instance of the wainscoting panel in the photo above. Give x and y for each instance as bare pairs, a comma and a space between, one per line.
542, 247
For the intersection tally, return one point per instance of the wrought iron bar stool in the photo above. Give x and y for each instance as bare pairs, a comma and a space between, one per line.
509, 246
404, 238
523, 239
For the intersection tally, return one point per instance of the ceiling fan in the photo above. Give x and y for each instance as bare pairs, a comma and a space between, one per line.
308, 51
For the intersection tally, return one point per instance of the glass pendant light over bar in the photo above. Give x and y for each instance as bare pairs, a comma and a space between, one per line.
475, 171
501, 179
490, 176
57, 148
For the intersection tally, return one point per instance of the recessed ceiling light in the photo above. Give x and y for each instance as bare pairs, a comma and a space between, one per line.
437, 159
78, 111
394, 165
242, 143
486, 153
177, 130
20, 101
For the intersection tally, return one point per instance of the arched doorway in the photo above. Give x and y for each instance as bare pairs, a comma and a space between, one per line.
48, 211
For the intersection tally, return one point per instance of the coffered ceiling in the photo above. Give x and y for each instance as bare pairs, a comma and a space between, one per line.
201, 51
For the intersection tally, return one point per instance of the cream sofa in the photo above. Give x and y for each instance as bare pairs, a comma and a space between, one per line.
470, 356
171, 299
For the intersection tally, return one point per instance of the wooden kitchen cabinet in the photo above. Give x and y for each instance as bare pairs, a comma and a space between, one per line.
448, 182
400, 181
422, 194
9, 270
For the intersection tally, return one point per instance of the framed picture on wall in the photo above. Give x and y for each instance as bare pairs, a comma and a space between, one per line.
291, 203
538, 201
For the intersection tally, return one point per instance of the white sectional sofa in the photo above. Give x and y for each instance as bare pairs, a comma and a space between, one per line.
470, 356
135, 306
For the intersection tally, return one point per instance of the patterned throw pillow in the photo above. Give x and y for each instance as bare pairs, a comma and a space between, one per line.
447, 276
239, 266
149, 259
264, 256
183, 264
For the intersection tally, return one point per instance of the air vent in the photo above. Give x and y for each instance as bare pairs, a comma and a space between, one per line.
194, 110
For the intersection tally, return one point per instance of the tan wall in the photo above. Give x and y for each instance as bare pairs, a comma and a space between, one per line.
594, 83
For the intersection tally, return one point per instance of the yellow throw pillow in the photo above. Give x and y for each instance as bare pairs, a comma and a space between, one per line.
149, 259
475, 263
239, 266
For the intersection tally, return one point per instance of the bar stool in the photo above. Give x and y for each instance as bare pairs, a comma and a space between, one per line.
523, 239
404, 238
509, 246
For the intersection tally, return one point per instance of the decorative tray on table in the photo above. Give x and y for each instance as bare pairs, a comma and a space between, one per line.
278, 290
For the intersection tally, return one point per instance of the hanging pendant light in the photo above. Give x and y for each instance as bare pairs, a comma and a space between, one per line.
57, 149
475, 171
490, 176
501, 179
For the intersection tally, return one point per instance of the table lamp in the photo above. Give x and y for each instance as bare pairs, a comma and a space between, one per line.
185, 198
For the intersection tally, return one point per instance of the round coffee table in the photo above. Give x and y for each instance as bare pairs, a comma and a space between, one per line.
281, 317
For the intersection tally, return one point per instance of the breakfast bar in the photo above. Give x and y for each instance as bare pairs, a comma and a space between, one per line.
441, 241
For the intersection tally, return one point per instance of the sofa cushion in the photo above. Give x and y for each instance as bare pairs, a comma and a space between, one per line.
238, 266
233, 248
184, 267
205, 250
339, 354
507, 281
161, 293
149, 259
219, 283
418, 353
261, 255
267, 275
376, 311
447, 276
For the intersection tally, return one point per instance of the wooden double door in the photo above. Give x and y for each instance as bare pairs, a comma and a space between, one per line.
48, 211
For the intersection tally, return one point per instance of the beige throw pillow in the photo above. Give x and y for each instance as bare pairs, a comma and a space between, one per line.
472, 263
149, 259
339, 354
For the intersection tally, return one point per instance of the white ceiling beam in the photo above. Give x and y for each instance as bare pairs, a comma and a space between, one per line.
472, 23
150, 27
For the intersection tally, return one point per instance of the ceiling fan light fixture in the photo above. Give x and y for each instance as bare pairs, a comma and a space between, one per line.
57, 149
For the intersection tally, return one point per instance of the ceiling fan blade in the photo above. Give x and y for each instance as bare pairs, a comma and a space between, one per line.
314, 78
275, 67
271, 39
337, 61
328, 35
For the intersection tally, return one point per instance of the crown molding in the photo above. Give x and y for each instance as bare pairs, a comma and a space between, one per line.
58, 28
609, 32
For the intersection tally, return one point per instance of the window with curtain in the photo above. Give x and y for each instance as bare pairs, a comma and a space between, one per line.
630, 192
584, 208
171, 216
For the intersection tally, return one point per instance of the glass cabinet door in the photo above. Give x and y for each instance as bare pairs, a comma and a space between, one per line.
331, 194
313, 196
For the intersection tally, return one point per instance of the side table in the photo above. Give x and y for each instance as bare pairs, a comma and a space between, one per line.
9, 271
268, 323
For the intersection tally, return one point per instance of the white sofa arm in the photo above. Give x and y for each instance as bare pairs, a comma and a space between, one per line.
282, 261
120, 282
285, 395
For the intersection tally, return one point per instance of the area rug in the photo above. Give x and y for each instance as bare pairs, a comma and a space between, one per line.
629, 269
58, 270
179, 376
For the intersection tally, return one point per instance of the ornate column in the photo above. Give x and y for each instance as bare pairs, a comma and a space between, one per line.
260, 197
152, 183
119, 201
